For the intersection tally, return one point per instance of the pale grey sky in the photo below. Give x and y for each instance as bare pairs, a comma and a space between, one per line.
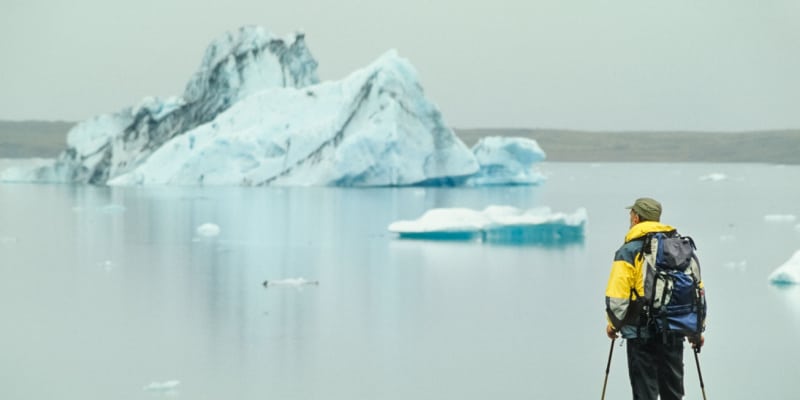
593, 64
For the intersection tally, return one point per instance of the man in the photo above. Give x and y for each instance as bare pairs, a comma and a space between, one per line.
655, 360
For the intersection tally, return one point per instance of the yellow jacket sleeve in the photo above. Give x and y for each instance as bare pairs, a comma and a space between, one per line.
618, 292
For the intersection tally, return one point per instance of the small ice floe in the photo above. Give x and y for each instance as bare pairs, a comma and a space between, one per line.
736, 265
106, 265
780, 218
418, 192
208, 230
8, 240
163, 387
112, 208
291, 282
26, 170
714, 177
443, 223
497, 224
789, 272
727, 238
797, 227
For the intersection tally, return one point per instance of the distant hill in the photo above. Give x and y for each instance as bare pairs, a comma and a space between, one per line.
778, 146
26, 139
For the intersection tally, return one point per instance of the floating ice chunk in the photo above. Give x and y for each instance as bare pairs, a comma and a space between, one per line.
507, 161
8, 240
289, 282
789, 272
208, 230
107, 265
419, 192
166, 386
106, 209
780, 218
537, 225
714, 177
737, 265
23, 170
443, 223
501, 224
112, 208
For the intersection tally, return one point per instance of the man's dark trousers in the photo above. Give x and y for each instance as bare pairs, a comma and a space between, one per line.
655, 366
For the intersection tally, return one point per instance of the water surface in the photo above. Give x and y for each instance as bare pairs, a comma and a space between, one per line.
106, 290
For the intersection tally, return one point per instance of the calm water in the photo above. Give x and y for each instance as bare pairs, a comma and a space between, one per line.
106, 290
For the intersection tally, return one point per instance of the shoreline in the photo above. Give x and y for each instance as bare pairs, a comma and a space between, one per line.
47, 139
769, 147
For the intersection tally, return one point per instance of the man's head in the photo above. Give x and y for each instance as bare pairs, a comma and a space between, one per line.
646, 209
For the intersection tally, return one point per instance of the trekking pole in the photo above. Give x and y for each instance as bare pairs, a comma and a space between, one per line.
700, 374
608, 367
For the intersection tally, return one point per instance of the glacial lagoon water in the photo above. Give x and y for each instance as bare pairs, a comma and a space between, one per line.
110, 293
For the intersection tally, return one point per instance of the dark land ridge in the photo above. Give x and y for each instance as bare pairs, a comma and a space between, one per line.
773, 147
46, 139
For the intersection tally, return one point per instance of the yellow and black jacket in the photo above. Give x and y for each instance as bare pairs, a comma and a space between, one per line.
626, 282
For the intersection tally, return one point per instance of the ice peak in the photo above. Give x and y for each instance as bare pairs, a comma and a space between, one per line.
254, 57
235, 66
391, 61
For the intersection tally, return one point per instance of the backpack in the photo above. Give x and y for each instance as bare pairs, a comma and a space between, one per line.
674, 299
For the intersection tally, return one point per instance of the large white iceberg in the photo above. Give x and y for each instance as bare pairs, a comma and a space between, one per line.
254, 113
374, 128
234, 67
502, 224
789, 272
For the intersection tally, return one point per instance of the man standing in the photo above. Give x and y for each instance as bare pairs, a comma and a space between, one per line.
655, 360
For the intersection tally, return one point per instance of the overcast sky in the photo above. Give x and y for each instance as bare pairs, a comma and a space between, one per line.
592, 64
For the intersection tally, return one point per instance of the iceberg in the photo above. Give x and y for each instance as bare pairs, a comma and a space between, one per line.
374, 128
255, 113
507, 161
495, 224
234, 67
789, 272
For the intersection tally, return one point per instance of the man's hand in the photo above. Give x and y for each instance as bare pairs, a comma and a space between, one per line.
697, 341
611, 332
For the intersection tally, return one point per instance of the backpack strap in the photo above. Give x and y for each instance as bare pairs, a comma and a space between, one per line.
646, 243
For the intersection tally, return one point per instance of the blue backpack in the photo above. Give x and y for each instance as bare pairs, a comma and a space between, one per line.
673, 290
